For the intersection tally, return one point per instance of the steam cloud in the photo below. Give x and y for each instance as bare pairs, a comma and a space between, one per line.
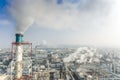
92, 55
59, 14
83, 55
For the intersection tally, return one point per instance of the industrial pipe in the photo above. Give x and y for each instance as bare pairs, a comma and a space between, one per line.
19, 52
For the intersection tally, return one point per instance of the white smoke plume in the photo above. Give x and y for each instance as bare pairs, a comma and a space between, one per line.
59, 14
93, 55
83, 55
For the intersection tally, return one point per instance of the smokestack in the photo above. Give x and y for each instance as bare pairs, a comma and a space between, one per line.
19, 51
19, 38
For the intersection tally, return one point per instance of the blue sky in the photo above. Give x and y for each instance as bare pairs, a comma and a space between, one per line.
70, 22
6, 28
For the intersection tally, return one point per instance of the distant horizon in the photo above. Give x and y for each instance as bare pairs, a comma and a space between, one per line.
68, 46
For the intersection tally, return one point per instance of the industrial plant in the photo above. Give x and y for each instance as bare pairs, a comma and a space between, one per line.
23, 62
90, 26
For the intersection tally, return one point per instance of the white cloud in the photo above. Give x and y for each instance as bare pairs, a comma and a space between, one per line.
47, 13
100, 17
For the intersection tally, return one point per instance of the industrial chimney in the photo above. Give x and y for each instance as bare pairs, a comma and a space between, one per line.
19, 52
